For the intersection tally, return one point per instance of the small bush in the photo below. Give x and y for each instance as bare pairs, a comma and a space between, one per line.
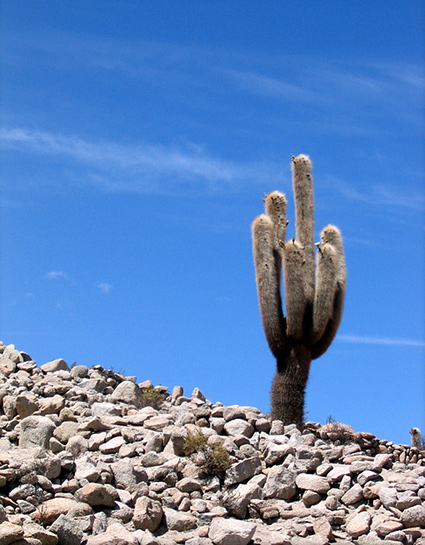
212, 461
152, 398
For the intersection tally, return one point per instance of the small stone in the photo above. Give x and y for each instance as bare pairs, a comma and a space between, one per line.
77, 445
177, 392
36, 531
337, 473
65, 431
79, 371
115, 534
406, 500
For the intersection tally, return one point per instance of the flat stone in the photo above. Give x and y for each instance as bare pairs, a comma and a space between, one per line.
113, 445
230, 532
50, 510
353, 495
242, 471
115, 534
178, 521
306, 481
359, 524
337, 473
188, 484
387, 526
157, 423
55, 365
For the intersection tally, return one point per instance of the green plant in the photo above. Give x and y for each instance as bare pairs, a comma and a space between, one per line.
152, 398
212, 460
314, 290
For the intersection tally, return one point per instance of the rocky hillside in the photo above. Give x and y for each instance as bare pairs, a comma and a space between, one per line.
87, 456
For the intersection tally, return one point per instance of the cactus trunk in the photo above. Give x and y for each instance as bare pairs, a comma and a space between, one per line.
314, 292
289, 383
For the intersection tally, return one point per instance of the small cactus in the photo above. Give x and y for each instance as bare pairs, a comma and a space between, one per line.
314, 284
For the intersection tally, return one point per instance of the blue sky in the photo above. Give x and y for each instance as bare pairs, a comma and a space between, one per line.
138, 139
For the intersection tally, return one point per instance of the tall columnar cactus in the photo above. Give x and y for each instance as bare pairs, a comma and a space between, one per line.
314, 290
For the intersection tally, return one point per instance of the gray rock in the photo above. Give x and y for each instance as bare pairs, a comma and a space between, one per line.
147, 514
10, 533
238, 427
125, 474
36, 431
414, 516
26, 405
128, 393
116, 534
96, 495
54, 366
352, 496
68, 532
230, 532
359, 524
314, 483
179, 522
280, 484
237, 500
242, 471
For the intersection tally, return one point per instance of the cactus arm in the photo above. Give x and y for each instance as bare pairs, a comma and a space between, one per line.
332, 236
294, 289
326, 270
275, 205
267, 263
302, 183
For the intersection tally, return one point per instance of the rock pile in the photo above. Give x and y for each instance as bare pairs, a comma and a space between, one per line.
87, 456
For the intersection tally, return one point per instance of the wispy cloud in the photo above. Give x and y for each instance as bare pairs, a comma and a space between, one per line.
105, 287
359, 339
138, 167
273, 87
56, 275
379, 194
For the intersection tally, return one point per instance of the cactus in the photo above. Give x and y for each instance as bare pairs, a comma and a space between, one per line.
314, 290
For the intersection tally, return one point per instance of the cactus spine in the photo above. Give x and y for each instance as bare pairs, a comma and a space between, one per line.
314, 290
